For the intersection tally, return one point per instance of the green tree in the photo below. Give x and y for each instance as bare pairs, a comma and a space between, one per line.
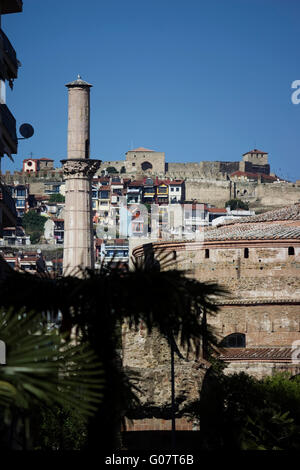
237, 204
33, 224
59, 428
239, 412
57, 198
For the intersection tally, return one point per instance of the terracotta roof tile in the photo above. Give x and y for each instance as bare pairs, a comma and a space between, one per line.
285, 213
255, 151
252, 232
216, 210
141, 149
257, 354
254, 175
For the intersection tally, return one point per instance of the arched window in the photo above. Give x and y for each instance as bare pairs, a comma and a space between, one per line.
146, 166
235, 340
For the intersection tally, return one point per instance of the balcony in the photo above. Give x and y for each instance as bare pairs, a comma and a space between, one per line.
8, 134
11, 6
9, 62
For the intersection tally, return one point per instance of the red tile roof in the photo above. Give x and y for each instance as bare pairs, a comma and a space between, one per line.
255, 151
117, 241
136, 183
237, 230
141, 149
290, 213
280, 354
254, 175
215, 210
40, 197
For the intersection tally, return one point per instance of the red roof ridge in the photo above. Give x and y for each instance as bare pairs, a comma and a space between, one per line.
255, 151
141, 149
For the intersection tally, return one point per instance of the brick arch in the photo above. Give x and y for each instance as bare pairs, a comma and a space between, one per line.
234, 340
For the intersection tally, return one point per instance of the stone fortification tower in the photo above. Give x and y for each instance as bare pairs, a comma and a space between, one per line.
78, 173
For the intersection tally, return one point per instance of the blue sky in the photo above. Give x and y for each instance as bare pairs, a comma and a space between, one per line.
199, 80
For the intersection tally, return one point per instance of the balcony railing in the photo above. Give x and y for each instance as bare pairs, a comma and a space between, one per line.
10, 58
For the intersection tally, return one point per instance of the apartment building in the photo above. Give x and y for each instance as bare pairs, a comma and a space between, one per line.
112, 252
20, 195
14, 236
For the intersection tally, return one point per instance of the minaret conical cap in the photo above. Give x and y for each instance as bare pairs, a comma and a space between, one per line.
78, 82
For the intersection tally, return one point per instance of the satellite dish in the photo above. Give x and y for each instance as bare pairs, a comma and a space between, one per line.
26, 130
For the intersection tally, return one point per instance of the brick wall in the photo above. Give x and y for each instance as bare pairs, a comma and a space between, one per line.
154, 424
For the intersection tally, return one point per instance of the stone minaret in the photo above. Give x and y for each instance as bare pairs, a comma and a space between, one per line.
78, 173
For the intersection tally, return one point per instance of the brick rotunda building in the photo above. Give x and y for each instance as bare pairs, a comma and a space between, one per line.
258, 260
258, 325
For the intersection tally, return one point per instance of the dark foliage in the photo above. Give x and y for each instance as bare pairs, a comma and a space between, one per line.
239, 412
237, 204
97, 303
57, 198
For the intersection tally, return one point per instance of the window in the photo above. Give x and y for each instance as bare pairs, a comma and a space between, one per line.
20, 192
177, 189
133, 164
291, 251
235, 340
162, 190
20, 203
246, 252
206, 253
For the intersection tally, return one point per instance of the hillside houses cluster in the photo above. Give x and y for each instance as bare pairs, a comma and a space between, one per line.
34, 187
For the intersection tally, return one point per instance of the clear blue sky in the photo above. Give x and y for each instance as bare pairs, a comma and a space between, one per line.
197, 79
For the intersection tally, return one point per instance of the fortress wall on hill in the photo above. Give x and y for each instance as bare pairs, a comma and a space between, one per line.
213, 192
277, 194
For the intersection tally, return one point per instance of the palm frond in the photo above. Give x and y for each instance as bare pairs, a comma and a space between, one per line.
42, 366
